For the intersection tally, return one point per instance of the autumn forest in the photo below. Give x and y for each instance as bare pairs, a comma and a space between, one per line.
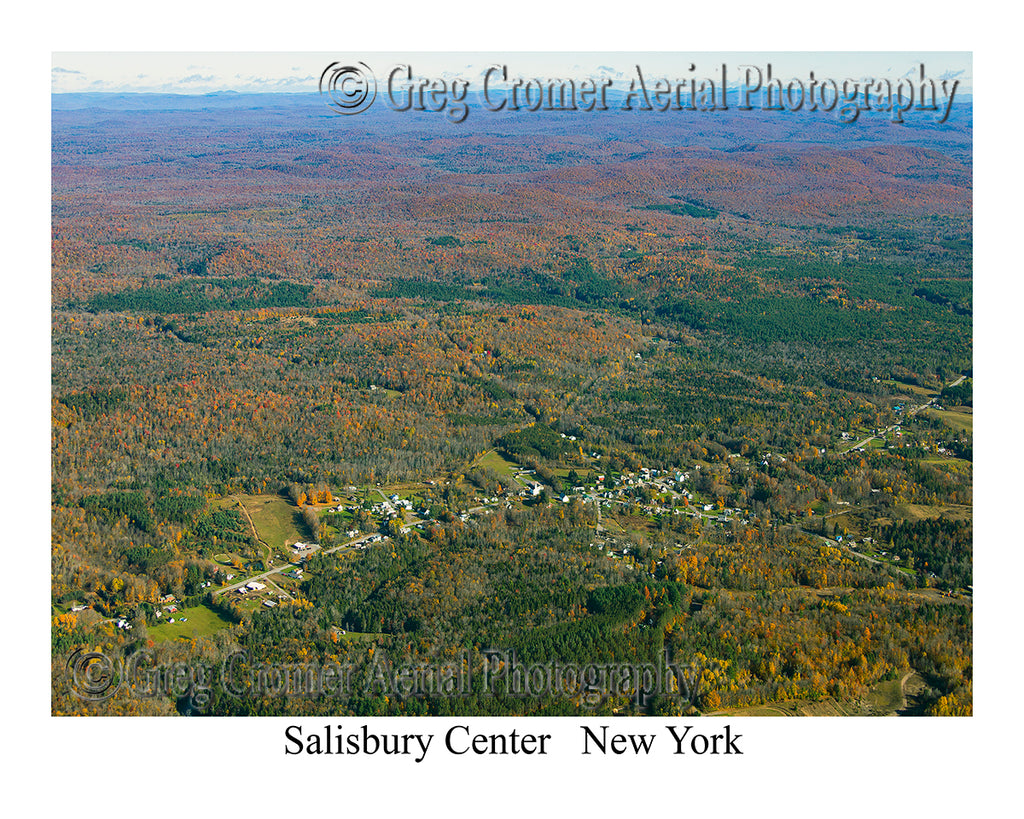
330, 389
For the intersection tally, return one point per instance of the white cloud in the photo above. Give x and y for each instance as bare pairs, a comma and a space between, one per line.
262, 72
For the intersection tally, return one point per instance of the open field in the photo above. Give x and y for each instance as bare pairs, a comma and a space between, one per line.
917, 511
253, 603
827, 707
958, 465
405, 491
938, 598
959, 421
229, 559
276, 521
885, 698
201, 621
495, 461
914, 389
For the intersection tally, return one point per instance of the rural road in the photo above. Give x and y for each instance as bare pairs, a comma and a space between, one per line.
912, 411
286, 566
351, 544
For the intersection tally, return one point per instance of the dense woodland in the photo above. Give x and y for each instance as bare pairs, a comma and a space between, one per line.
268, 301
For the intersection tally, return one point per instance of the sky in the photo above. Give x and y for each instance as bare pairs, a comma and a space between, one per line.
259, 72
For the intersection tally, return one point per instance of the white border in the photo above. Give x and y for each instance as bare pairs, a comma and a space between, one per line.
834, 767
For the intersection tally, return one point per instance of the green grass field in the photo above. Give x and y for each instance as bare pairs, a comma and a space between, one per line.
228, 558
277, 522
959, 421
914, 389
201, 622
493, 460
917, 511
885, 697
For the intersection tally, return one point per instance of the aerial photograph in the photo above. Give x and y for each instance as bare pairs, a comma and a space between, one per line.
517, 384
